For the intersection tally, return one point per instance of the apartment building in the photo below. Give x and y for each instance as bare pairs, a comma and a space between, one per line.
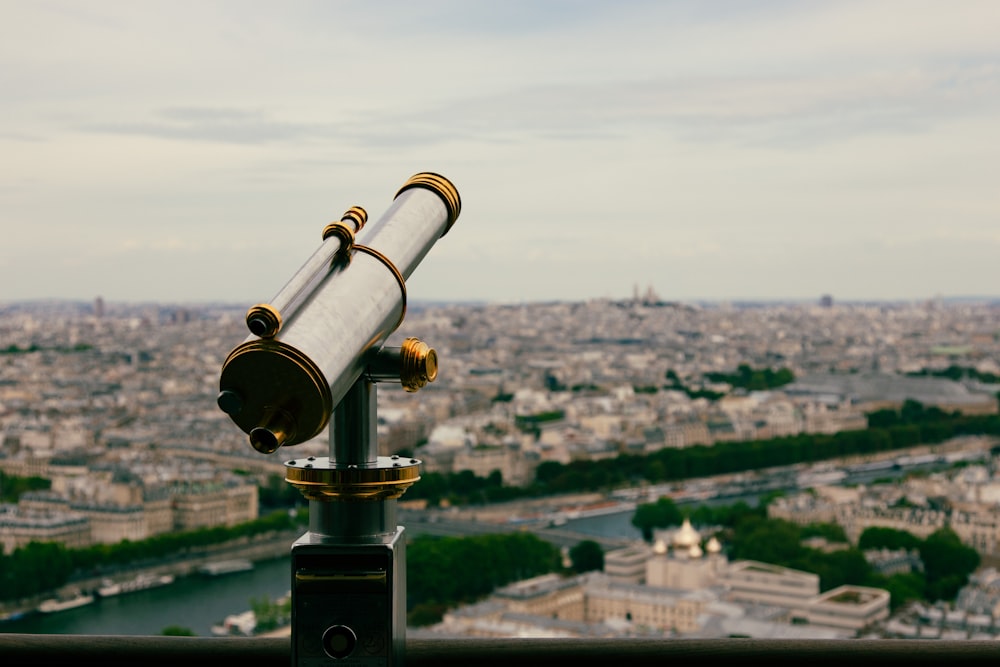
848, 607
45, 516
764, 583
514, 466
547, 595
204, 506
19, 527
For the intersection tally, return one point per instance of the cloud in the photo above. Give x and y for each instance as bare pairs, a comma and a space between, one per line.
237, 126
771, 110
595, 144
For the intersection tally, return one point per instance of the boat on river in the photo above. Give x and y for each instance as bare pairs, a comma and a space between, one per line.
562, 516
142, 582
221, 567
63, 603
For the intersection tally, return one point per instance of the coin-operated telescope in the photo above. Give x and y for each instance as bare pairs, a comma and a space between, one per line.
311, 361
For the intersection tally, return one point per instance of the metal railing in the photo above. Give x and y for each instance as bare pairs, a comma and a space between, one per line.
132, 651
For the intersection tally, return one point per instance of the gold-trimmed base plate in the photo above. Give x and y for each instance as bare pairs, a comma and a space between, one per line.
317, 478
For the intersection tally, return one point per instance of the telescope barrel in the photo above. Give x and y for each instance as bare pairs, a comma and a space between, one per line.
281, 389
265, 320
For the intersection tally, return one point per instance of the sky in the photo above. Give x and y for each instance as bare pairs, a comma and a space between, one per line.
711, 150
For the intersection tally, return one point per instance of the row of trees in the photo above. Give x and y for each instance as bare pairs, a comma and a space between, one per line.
888, 430
745, 377
754, 379
38, 567
955, 372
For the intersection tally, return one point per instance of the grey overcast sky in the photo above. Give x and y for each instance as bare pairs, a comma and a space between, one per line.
192, 151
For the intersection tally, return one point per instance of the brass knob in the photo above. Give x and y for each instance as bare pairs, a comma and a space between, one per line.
419, 364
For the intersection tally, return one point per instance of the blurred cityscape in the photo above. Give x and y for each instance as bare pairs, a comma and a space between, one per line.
116, 405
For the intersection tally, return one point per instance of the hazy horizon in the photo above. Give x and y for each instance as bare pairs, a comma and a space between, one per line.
422, 303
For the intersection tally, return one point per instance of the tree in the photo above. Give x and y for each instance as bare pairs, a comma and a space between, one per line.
661, 514
844, 566
832, 532
36, 567
727, 516
877, 537
903, 587
947, 563
177, 631
451, 570
768, 540
270, 614
587, 556
12, 486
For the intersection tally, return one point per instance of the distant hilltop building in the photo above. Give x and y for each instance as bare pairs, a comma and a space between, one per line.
648, 297
826, 301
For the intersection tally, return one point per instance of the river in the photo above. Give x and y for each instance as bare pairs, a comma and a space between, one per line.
196, 602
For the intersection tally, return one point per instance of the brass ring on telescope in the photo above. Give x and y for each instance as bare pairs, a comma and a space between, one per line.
319, 479
357, 215
395, 272
263, 320
440, 186
346, 236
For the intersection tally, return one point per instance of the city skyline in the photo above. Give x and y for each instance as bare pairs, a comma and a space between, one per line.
709, 151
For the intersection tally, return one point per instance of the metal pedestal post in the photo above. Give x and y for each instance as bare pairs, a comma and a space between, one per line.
349, 569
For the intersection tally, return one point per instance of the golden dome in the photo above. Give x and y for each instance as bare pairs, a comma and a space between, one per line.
686, 535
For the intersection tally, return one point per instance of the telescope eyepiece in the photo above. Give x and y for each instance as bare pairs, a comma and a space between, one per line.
263, 320
263, 440
276, 428
257, 326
